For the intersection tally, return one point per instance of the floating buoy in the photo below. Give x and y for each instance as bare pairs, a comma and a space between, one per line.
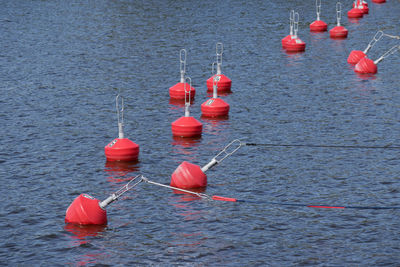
295, 44
368, 66
378, 1
121, 148
225, 84
215, 107
362, 5
288, 37
318, 25
87, 210
355, 12
189, 175
187, 126
356, 55
338, 32
178, 90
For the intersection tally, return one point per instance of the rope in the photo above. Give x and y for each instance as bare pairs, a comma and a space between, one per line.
392, 36
325, 146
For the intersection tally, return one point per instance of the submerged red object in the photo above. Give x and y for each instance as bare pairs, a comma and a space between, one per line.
188, 175
366, 65
85, 210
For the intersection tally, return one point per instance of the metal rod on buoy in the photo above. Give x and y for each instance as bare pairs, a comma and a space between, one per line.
378, 35
120, 115
214, 161
187, 96
120, 192
318, 5
388, 53
296, 24
338, 13
219, 49
182, 60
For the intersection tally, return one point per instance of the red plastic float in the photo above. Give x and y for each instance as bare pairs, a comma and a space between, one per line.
356, 55
295, 44
189, 175
215, 107
362, 5
87, 210
225, 83
378, 1
318, 25
355, 13
338, 32
178, 90
288, 37
187, 126
368, 66
121, 148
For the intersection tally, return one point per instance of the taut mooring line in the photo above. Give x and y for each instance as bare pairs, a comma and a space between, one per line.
324, 146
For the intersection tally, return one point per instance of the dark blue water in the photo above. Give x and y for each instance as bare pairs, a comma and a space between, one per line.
63, 62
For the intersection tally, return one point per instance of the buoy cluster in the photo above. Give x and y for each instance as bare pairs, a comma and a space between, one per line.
363, 65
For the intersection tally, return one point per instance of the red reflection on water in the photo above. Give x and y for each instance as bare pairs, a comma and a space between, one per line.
210, 93
80, 233
120, 171
354, 20
367, 76
179, 102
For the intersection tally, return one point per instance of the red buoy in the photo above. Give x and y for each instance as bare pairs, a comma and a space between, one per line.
86, 210
366, 65
189, 175
318, 25
215, 107
378, 1
356, 55
288, 37
338, 32
225, 83
178, 90
362, 5
295, 44
121, 148
355, 13
187, 126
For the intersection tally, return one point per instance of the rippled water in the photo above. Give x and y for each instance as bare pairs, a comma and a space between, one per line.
63, 62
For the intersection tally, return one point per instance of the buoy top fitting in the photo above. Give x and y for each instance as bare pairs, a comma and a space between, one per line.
182, 63
120, 114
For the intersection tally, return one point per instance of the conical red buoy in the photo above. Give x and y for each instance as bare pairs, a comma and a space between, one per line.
188, 175
87, 210
355, 13
215, 107
338, 32
295, 44
121, 148
225, 83
356, 55
178, 90
187, 126
366, 65
318, 25
288, 37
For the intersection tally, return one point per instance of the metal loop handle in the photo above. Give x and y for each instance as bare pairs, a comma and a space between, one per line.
378, 35
213, 68
120, 115
225, 153
121, 191
219, 50
291, 18
182, 64
388, 53
296, 23
318, 5
187, 95
338, 12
